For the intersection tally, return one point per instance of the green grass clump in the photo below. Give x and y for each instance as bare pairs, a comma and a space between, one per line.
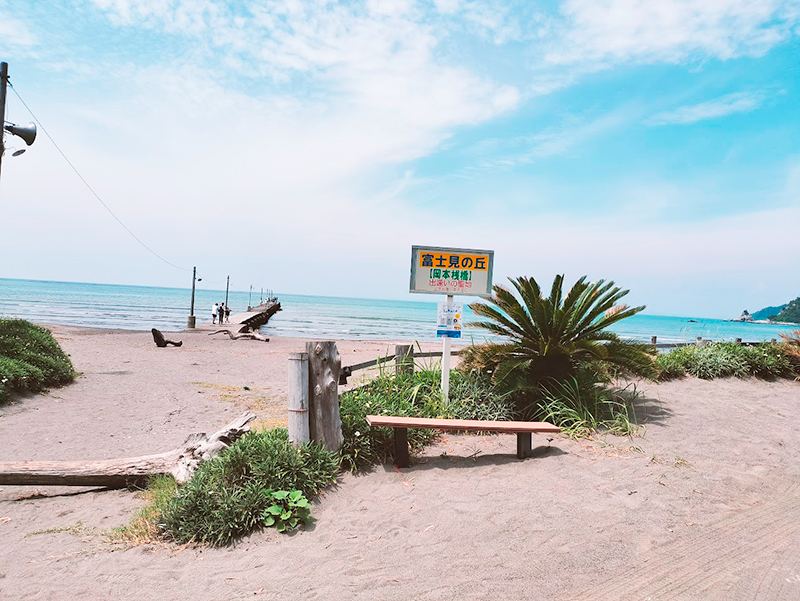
30, 359
231, 495
581, 406
144, 526
472, 396
726, 359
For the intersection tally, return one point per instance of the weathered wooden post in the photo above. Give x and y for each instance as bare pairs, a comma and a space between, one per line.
299, 432
324, 368
403, 359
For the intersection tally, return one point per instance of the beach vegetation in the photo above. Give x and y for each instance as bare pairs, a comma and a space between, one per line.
472, 396
144, 527
727, 359
31, 360
581, 407
791, 348
238, 491
555, 354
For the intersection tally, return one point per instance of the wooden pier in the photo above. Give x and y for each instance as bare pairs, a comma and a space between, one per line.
254, 317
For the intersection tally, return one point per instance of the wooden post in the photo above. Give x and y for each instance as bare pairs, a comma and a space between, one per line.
403, 359
523, 444
324, 368
298, 399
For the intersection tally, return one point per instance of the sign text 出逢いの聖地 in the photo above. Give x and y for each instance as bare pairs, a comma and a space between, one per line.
437, 270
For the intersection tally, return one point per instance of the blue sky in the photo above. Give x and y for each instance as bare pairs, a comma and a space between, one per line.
305, 146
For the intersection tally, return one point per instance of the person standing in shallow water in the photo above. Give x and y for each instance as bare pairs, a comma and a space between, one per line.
214, 311
227, 314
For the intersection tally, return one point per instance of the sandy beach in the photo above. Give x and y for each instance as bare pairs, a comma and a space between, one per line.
704, 505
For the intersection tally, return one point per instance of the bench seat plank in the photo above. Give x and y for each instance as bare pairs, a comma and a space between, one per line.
469, 425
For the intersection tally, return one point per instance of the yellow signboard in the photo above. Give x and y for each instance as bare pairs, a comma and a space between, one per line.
437, 270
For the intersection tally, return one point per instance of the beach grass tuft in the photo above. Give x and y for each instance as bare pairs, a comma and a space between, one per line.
581, 406
31, 360
231, 496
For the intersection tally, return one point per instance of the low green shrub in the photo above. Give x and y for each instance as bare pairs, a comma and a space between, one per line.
231, 496
726, 359
30, 359
472, 396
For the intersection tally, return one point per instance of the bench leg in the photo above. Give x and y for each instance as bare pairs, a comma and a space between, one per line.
401, 457
523, 444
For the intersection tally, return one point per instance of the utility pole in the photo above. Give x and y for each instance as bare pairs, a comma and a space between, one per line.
3, 83
191, 322
227, 286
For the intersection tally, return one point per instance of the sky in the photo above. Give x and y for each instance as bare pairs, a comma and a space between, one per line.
306, 146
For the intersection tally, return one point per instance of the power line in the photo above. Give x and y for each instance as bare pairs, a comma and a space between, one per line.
97, 196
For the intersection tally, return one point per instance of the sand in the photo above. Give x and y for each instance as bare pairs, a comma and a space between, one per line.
705, 505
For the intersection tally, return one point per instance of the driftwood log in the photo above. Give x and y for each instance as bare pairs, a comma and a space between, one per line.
242, 335
119, 473
162, 342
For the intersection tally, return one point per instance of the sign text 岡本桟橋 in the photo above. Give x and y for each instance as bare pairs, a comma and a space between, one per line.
437, 270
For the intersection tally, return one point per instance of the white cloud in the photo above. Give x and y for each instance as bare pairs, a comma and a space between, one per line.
604, 32
14, 33
739, 102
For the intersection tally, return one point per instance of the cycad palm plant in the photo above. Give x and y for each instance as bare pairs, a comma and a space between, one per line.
556, 337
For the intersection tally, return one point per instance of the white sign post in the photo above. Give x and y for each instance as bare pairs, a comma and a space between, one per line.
450, 271
448, 326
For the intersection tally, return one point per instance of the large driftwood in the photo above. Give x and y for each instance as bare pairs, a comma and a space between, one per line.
118, 473
324, 368
242, 335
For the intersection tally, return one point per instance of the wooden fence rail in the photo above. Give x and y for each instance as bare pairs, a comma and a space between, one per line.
348, 370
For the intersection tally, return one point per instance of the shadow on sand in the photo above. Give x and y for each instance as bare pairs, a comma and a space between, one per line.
642, 409
446, 462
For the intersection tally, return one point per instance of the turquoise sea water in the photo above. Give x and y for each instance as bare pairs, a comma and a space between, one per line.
142, 308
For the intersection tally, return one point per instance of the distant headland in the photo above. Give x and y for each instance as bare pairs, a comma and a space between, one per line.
787, 314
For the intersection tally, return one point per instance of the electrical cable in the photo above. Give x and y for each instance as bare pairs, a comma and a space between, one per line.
105, 206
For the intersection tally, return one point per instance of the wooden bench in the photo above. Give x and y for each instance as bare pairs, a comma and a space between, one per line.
523, 431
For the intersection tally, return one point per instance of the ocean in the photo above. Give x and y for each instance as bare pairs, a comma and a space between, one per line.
322, 317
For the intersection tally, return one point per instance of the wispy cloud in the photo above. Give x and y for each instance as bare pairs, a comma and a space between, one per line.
739, 102
14, 32
604, 32
568, 137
